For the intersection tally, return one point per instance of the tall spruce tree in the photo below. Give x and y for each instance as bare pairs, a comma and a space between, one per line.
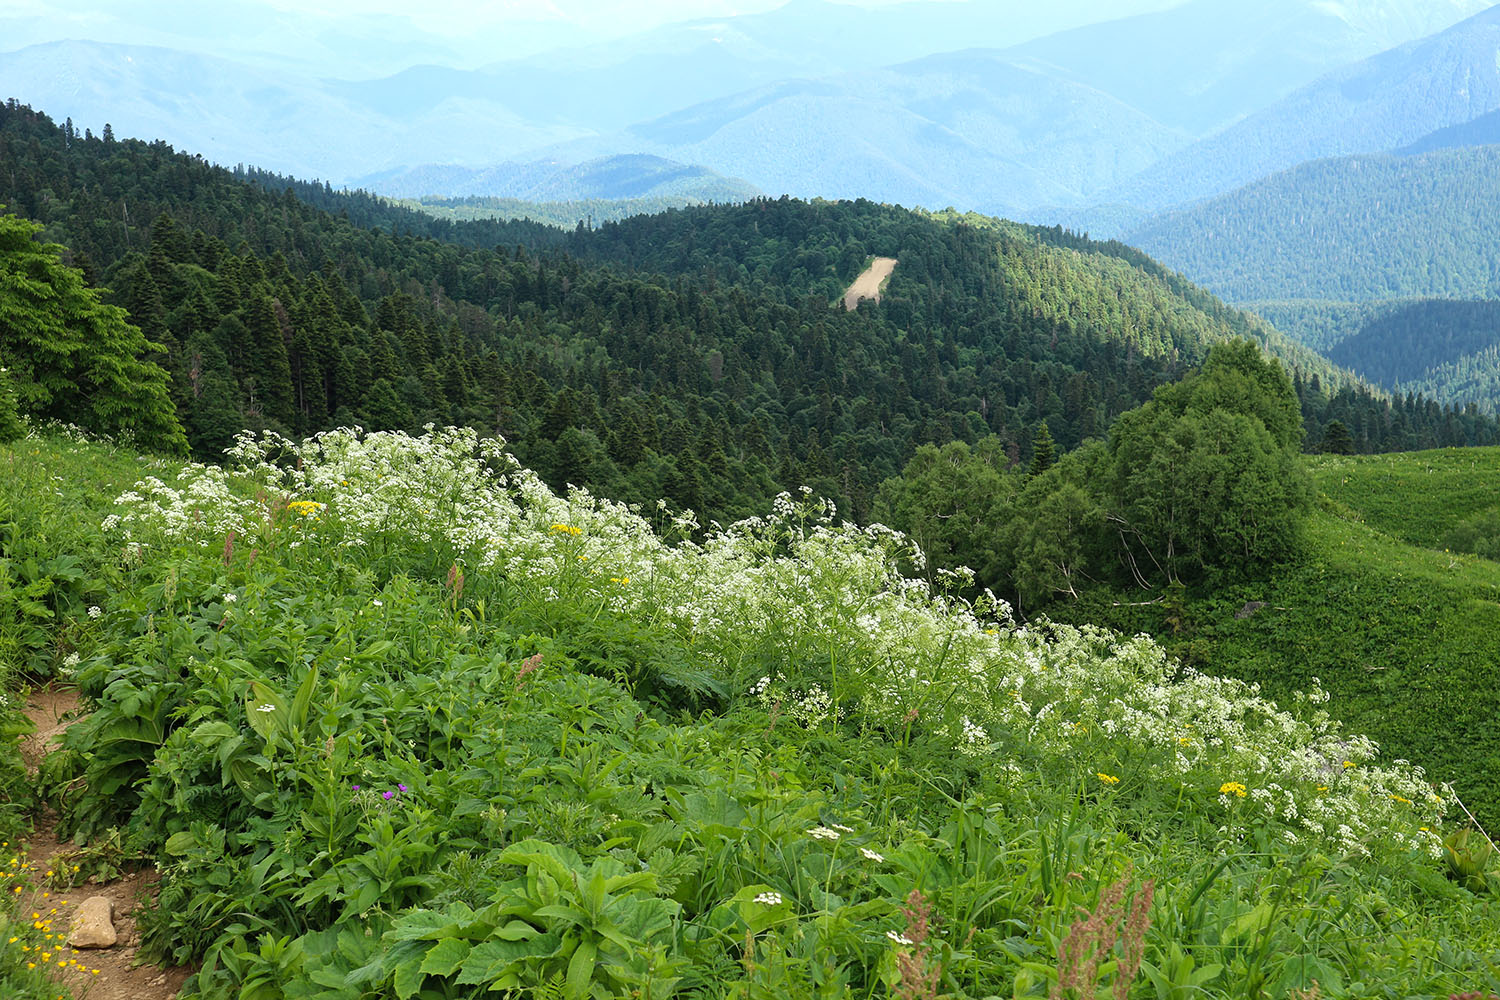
74, 358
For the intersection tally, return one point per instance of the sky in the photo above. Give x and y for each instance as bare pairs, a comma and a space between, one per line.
448, 18
397, 33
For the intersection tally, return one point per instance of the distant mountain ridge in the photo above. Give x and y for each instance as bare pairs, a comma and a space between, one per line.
960, 128
628, 176
1481, 131
235, 113
1447, 350
1204, 64
1383, 102
1389, 264
812, 98
1353, 228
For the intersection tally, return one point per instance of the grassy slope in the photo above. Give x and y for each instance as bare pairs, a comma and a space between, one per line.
1415, 496
1405, 635
1007, 840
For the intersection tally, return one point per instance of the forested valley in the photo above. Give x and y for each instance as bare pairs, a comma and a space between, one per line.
693, 355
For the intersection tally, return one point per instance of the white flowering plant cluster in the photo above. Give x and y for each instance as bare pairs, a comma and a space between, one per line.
846, 636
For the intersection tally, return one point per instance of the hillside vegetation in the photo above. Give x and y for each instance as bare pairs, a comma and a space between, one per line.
1390, 549
1443, 349
397, 720
697, 354
1384, 102
628, 178
1355, 228
562, 214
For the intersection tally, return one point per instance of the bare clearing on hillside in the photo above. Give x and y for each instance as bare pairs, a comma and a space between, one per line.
869, 284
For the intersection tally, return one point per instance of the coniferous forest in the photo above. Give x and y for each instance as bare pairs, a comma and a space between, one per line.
692, 354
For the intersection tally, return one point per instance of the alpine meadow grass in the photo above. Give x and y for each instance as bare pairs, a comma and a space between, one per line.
396, 720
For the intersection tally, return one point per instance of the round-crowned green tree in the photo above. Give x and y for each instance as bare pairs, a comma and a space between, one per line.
72, 357
1207, 474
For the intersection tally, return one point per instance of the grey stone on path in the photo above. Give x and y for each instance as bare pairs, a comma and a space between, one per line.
93, 924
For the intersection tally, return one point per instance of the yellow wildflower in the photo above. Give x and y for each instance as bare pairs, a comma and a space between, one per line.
1233, 788
1108, 779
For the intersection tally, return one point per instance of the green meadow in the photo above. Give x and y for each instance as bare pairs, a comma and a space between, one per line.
395, 720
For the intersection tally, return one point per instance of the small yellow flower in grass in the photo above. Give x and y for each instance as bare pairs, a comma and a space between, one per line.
1399, 798
566, 529
1233, 788
306, 508
1348, 764
1108, 779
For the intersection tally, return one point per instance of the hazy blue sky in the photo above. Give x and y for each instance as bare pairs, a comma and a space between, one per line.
440, 17
446, 31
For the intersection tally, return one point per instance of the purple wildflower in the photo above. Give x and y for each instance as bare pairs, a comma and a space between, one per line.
356, 788
402, 787
388, 795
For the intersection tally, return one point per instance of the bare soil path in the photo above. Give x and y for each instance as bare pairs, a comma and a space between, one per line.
52, 710
869, 284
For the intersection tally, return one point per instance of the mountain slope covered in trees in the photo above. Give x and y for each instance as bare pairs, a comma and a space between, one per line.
694, 354
1387, 263
1346, 229
1383, 102
610, 177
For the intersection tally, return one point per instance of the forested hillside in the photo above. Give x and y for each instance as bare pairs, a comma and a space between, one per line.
1384, 102
606, 179
562, 214
692, 354
1347, 229
1446, 350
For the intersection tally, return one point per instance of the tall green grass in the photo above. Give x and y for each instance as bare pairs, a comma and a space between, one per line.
395, 721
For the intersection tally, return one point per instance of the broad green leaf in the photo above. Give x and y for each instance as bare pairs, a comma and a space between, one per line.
263, 708
446, 956
408, 978
581, 971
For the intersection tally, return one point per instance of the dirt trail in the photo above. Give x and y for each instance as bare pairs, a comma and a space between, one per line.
868, 285
50, 710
